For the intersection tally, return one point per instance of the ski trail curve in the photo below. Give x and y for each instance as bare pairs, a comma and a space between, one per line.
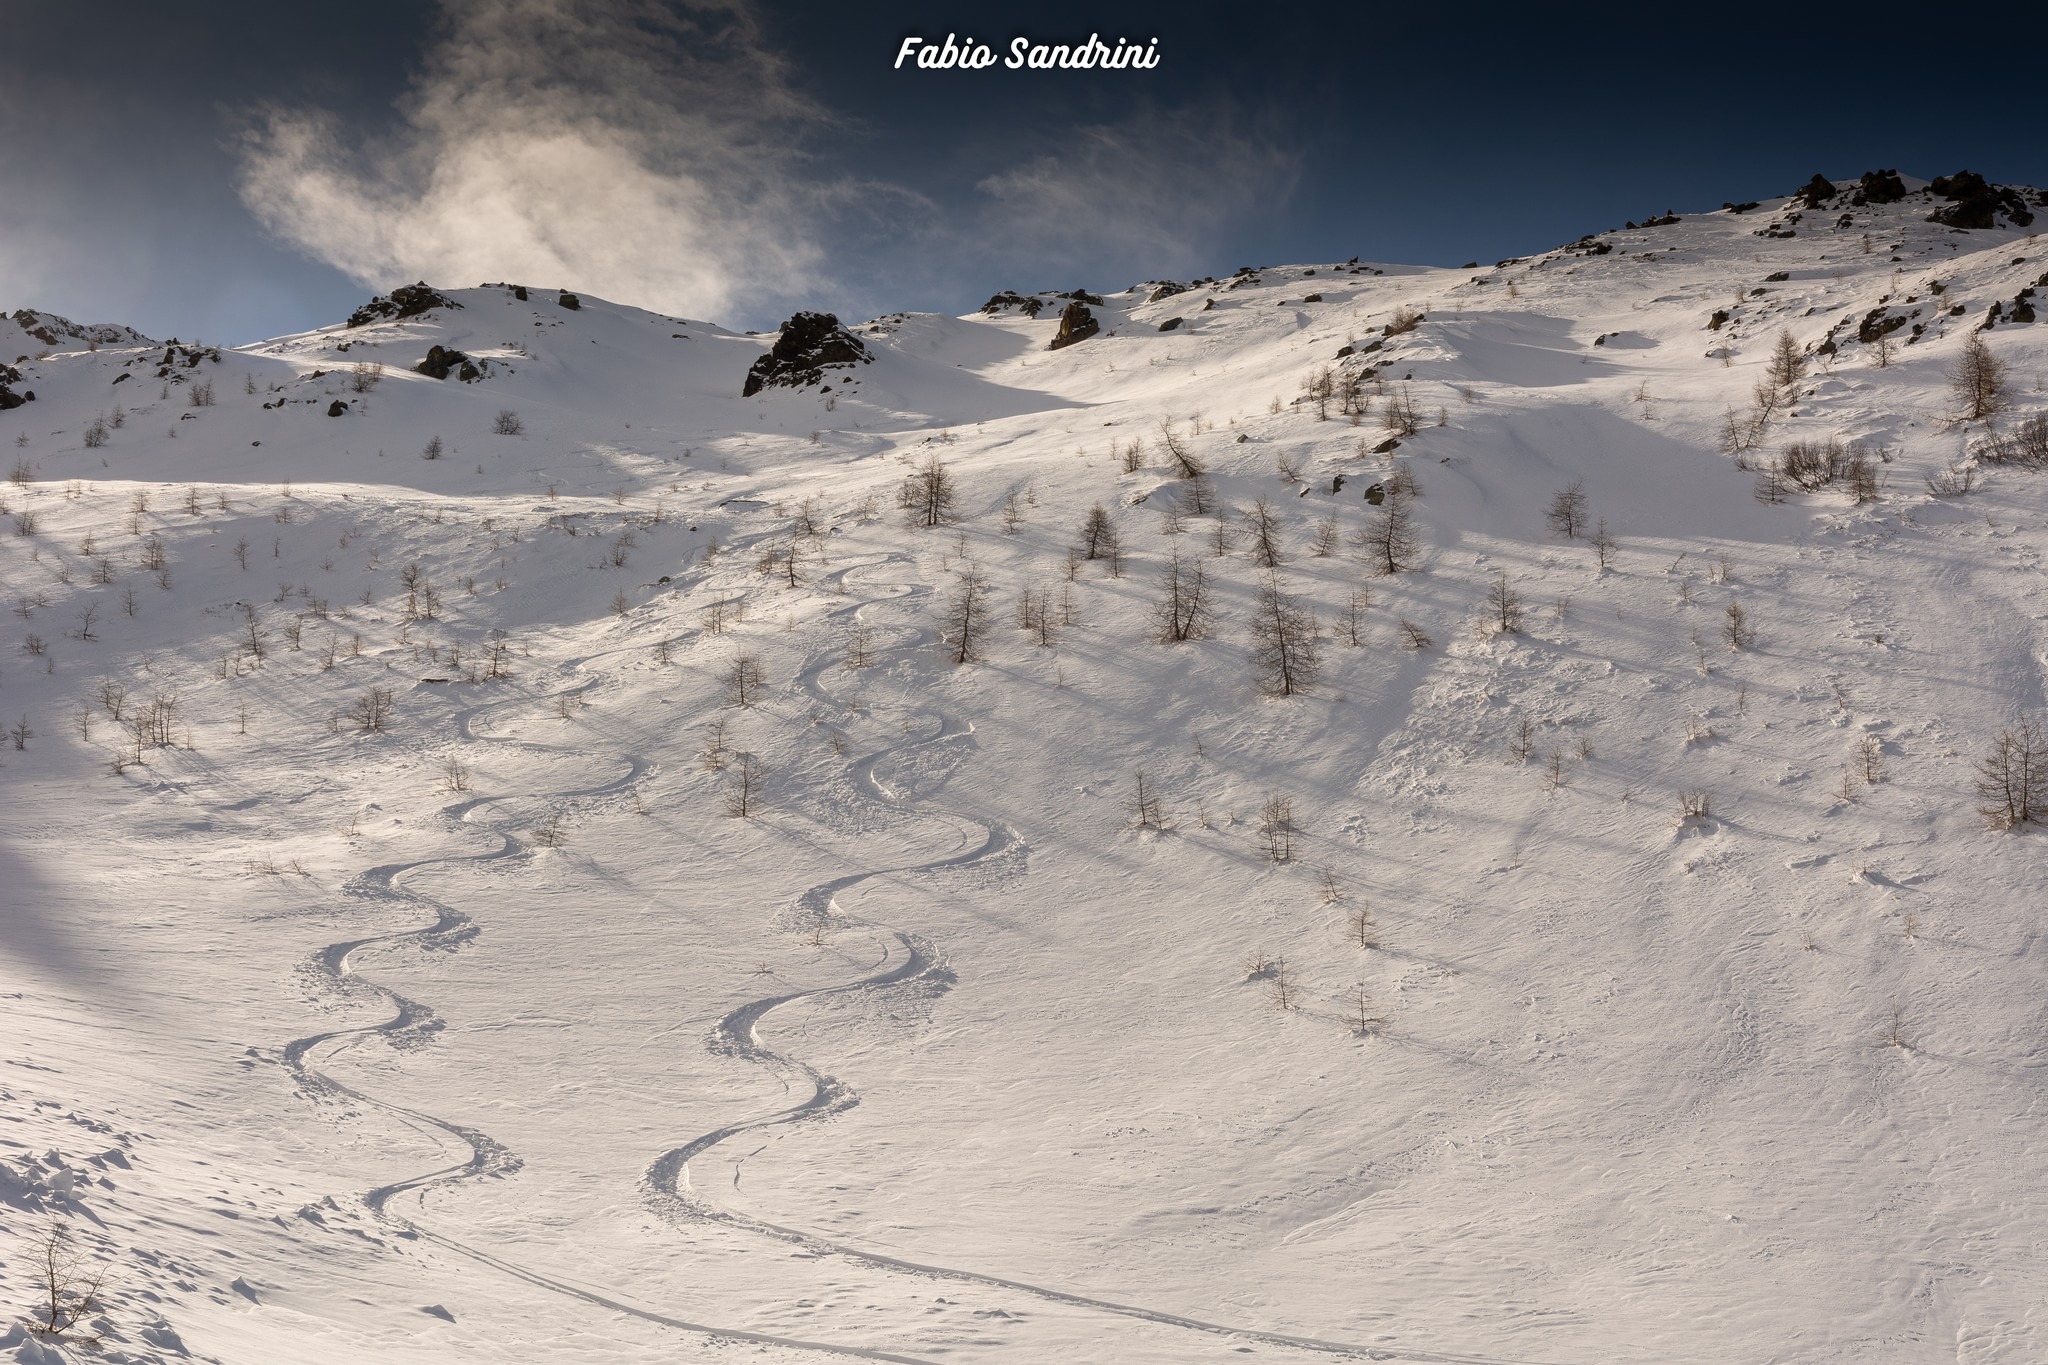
665, 1184
487, 1156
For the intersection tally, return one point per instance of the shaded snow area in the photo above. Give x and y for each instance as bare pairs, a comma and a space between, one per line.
390, 974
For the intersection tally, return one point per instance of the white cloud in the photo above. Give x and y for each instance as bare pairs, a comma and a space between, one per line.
640, 152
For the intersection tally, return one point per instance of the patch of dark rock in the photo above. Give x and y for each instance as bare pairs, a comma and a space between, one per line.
406, 301
808, 343
1076, 324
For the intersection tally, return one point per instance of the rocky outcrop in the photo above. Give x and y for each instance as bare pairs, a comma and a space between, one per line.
1974, 203
9, 376
1878, 187
569, 301
1076, 324
1816, 191
52, 330
1165, 290
443, 361
1028, 304
406, 301
810, 342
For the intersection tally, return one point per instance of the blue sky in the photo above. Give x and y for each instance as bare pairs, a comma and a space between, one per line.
236, 170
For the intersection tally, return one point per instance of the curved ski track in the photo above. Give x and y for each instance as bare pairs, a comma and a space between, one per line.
735, 1035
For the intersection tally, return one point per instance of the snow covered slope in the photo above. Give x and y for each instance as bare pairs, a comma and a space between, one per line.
390, 975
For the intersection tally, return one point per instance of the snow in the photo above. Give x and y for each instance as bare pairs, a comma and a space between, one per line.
939, 1057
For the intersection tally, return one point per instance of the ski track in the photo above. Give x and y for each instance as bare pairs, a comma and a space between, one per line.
737, 1035
487, 1156
907, 957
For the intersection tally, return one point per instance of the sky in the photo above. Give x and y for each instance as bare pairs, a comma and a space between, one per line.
237, 170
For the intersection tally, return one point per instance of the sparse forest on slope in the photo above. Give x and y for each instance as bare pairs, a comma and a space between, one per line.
1343, 810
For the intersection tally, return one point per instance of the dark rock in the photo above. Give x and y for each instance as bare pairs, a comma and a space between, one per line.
1816, 190
1028, 303
1875, 324
1879, 187
2022, 310
1171, 324
1343, 351
1076, 324
1961, 185
1738, 208
336, 408
442, 362
1376, 494
469, 373
123, 378
1715, 323
406, 301
519, 292
569, 301
1337, 483
1777, 277
1387, 447
1600, 340
1311, 298
1976, 204
1164, 291
1081, 296
808, 343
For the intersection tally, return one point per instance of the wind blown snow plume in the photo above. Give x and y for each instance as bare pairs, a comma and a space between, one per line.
1154, 192
630, 149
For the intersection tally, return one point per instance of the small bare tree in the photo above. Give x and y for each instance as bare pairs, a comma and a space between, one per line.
928, 494
2013, 778
1285, 652
1399, 415
1145, 803
508, 423
1184, 462
1504, 605
1351, 624
372, 710
1262, 526
1787, 364
67, 1292
1276, 827
1098, 534
1183, 612
1326, 538
1604, 545
743, 787
1280, 983
745, 678
1977, 379
1388, 542
968, 618
1736, 627
1567, 514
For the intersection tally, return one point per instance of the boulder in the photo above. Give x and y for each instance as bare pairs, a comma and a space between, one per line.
1076, 324
1165, 291
569, 301
1879, 187
406, 301
1171, 324
519, 292
1815, 191
809, 342
1975, 204
442, 362
336, 408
